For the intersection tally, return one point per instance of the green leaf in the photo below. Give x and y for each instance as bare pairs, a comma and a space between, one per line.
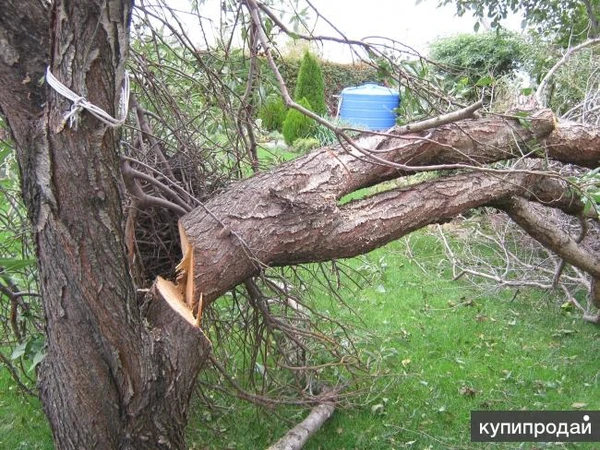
527, 91
19, 350
16, 263
37, 358
567, 306
268, 24
485, 81
522, 114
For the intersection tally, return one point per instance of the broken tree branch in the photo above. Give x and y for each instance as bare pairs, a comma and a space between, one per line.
454, 116
550, 236
292, 219
301, 433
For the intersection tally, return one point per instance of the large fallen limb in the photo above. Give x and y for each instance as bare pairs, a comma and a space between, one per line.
286, 219
551, 236
574, 143
301, 433
292, 214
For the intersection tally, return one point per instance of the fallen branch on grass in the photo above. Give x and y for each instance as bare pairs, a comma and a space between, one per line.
299, 435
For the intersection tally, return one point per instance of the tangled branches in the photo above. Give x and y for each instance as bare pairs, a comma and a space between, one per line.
494, 253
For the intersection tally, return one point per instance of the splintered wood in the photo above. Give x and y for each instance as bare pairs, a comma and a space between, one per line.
182, 294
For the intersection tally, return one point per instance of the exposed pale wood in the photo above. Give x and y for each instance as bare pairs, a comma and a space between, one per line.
186, 270
172, 295
301, 433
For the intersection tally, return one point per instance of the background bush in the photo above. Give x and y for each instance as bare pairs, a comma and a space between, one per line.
310, 84
466, 60
272, 113
296, 125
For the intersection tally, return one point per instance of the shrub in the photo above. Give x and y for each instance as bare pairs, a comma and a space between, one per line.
304, 145
477, 60
296, 125
336, 76
310, 84
272, 113
478, 55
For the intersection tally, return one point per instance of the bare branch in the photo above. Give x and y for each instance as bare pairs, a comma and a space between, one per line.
301, 433
539, 94
129, 176
454, 116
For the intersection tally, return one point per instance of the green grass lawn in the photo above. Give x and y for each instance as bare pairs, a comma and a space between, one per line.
23, 425
440, 350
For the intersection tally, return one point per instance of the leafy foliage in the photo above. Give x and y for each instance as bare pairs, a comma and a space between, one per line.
21, 326
575, 88
475, 60
565, 22
480, 54
272, 113
590, 184
573, 91
296, 125
310, 84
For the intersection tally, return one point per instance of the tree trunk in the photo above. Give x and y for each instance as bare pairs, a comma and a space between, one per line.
108, 381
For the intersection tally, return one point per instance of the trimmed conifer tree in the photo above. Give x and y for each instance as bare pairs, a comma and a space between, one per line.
296, 125
310, 84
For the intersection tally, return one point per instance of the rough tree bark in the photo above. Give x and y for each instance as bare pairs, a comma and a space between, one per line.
108, 381
292, 214
119, 371
297, 437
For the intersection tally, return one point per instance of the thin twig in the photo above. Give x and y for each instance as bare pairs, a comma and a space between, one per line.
539, 93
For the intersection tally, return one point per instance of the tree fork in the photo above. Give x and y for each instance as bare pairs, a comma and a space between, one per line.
259, 225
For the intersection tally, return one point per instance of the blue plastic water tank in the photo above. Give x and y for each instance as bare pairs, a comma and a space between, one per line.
369, 106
